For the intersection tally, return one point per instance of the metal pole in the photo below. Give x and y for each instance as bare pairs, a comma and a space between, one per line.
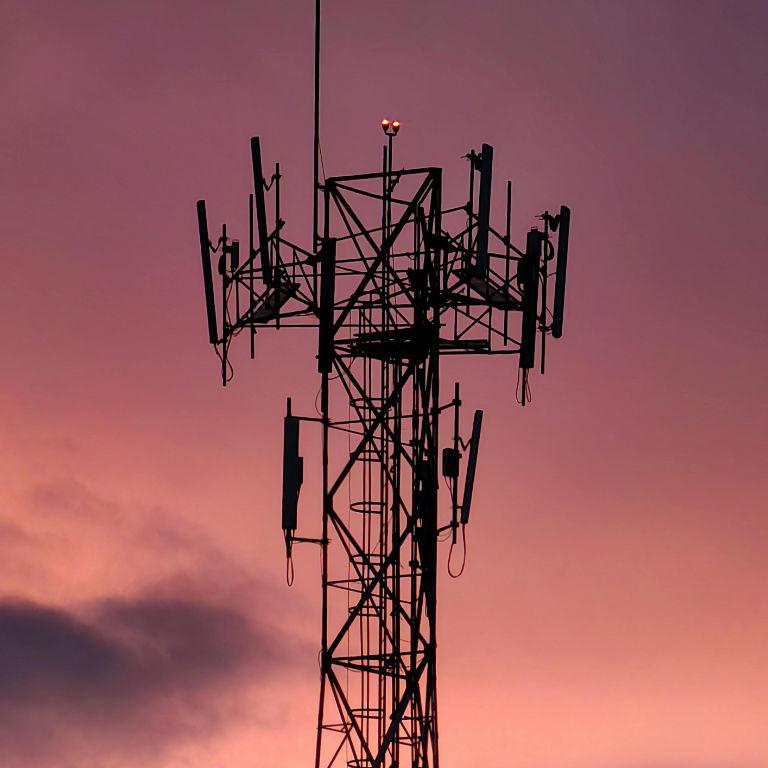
316, 143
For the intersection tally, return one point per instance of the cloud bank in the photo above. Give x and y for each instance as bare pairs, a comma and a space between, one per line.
125, 678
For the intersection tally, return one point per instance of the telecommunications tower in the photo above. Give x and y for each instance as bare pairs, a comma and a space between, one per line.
393, 280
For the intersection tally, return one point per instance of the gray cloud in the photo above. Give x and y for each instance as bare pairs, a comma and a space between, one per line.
125, 679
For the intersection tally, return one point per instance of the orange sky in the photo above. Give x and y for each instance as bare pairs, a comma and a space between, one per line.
616, 581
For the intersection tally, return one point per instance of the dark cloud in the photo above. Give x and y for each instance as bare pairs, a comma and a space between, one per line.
119, 544
127, 678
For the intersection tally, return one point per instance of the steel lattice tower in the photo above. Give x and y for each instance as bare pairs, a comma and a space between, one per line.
393, 281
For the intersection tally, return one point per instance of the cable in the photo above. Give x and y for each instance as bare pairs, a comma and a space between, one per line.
227, 341
322, 165
526, 396
464, 554
225, 360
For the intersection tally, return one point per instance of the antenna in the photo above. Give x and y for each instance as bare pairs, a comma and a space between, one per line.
484, 208
530, 279
563, 232
327, 293
293, 471
261, 210
205, 252
316, 126
469, 482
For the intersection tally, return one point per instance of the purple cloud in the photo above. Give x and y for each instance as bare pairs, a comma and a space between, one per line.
129, 678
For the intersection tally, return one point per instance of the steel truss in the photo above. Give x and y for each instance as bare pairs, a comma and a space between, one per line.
391, 290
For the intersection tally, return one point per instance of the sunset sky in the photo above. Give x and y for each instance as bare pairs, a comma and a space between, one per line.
614, 608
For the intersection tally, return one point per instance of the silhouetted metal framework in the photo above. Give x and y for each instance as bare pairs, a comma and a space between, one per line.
396, 281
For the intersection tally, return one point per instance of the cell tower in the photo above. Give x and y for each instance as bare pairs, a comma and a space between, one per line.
393, 281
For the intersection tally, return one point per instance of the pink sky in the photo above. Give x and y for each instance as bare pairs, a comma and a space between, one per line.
616, 582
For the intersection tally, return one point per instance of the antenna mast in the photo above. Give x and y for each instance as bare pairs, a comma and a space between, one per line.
404, 280
316, 140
